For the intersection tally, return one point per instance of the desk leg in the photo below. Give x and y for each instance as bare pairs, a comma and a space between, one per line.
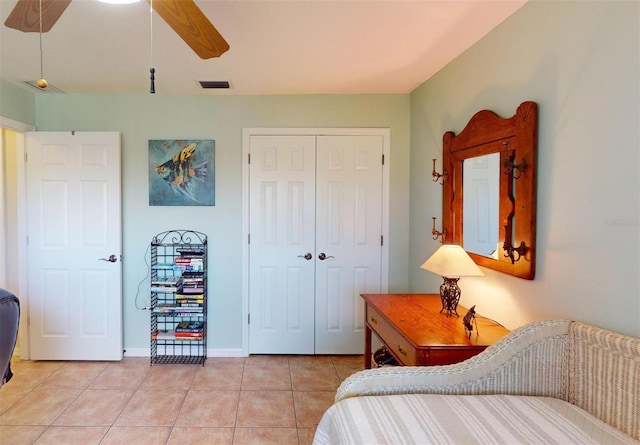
367, 347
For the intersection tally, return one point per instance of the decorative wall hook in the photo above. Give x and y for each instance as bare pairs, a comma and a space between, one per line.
437, 234
513, 253
437, 176
510, 167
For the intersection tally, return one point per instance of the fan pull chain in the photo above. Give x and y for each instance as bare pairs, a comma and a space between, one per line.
41, 83
152, 70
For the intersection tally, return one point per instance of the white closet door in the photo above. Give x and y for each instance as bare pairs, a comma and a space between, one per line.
282, 231
348, 233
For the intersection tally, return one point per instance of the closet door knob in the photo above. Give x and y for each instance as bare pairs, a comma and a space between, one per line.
307, 256
323, 256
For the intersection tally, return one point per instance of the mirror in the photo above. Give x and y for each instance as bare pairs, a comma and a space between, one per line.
480, 204
486, 163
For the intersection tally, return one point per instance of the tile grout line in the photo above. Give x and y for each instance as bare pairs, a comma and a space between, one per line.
235, 419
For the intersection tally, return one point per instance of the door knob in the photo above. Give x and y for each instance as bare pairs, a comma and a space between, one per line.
323, 257
111, 259
307, 256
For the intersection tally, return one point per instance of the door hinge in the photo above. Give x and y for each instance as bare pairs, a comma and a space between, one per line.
248, 318
249, 158
249, 238
382, 240
26, 157
382, 159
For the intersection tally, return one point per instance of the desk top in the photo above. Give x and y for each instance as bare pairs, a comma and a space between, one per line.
419, 319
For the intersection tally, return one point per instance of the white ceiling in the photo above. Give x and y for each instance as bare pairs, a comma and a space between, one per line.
277, 46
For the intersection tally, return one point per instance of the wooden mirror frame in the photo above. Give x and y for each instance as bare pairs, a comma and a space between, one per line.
488, 133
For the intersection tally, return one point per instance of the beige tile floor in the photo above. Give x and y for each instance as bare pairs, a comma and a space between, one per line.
254, 400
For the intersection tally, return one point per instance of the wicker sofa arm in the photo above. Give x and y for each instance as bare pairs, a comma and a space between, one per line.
531, 360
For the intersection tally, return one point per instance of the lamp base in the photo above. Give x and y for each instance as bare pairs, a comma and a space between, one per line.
450, 295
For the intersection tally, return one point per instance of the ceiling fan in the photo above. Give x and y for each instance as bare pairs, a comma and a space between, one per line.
184, 16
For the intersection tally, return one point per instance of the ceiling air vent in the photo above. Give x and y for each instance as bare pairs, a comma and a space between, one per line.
50, 88
214, 84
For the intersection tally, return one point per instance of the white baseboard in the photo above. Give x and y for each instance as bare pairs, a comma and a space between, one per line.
225, 353
137, 352
145, 352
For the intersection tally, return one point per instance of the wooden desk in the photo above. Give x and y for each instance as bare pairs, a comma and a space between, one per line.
414, 331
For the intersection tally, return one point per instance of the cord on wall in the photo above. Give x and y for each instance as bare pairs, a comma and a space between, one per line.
143, 280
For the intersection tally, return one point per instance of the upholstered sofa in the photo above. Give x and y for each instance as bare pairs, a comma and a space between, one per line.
555, 381
9, 321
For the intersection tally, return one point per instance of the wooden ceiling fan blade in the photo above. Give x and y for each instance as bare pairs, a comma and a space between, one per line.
188, 21
25, 15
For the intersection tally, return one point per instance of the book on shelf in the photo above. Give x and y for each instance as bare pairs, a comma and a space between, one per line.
192, 274
191, 285
165, 266
189, 297
165, 281
191, 290
192, 282
172, 309
189, 335
191, 251
188, 260
164, 289
185, 338
163, 334
190, 326
179, 313
191, 267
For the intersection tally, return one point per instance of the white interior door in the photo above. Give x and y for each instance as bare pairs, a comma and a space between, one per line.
74, 227
348, 234
319, 197
282, 231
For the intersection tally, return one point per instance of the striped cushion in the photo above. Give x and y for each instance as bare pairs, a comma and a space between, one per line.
446, 419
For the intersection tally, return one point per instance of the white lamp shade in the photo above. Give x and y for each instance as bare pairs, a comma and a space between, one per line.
451, 261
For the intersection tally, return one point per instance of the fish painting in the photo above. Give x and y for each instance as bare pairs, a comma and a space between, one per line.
179, 172
186, 173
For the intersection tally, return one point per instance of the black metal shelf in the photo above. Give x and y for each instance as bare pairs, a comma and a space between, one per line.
178, 295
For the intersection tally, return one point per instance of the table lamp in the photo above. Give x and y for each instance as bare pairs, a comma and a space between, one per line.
451, 262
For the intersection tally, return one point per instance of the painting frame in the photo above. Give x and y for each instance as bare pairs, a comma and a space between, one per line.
181, 172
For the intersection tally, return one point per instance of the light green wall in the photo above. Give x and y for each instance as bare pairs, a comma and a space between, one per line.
143, 117
17, 103
580, 61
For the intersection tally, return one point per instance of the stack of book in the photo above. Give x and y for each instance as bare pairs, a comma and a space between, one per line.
166, 285
189, 302
163, 334
191, 284
190, 260
176, 310
189, 330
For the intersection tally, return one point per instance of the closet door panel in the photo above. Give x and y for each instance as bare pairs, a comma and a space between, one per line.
348, 233
282, 232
